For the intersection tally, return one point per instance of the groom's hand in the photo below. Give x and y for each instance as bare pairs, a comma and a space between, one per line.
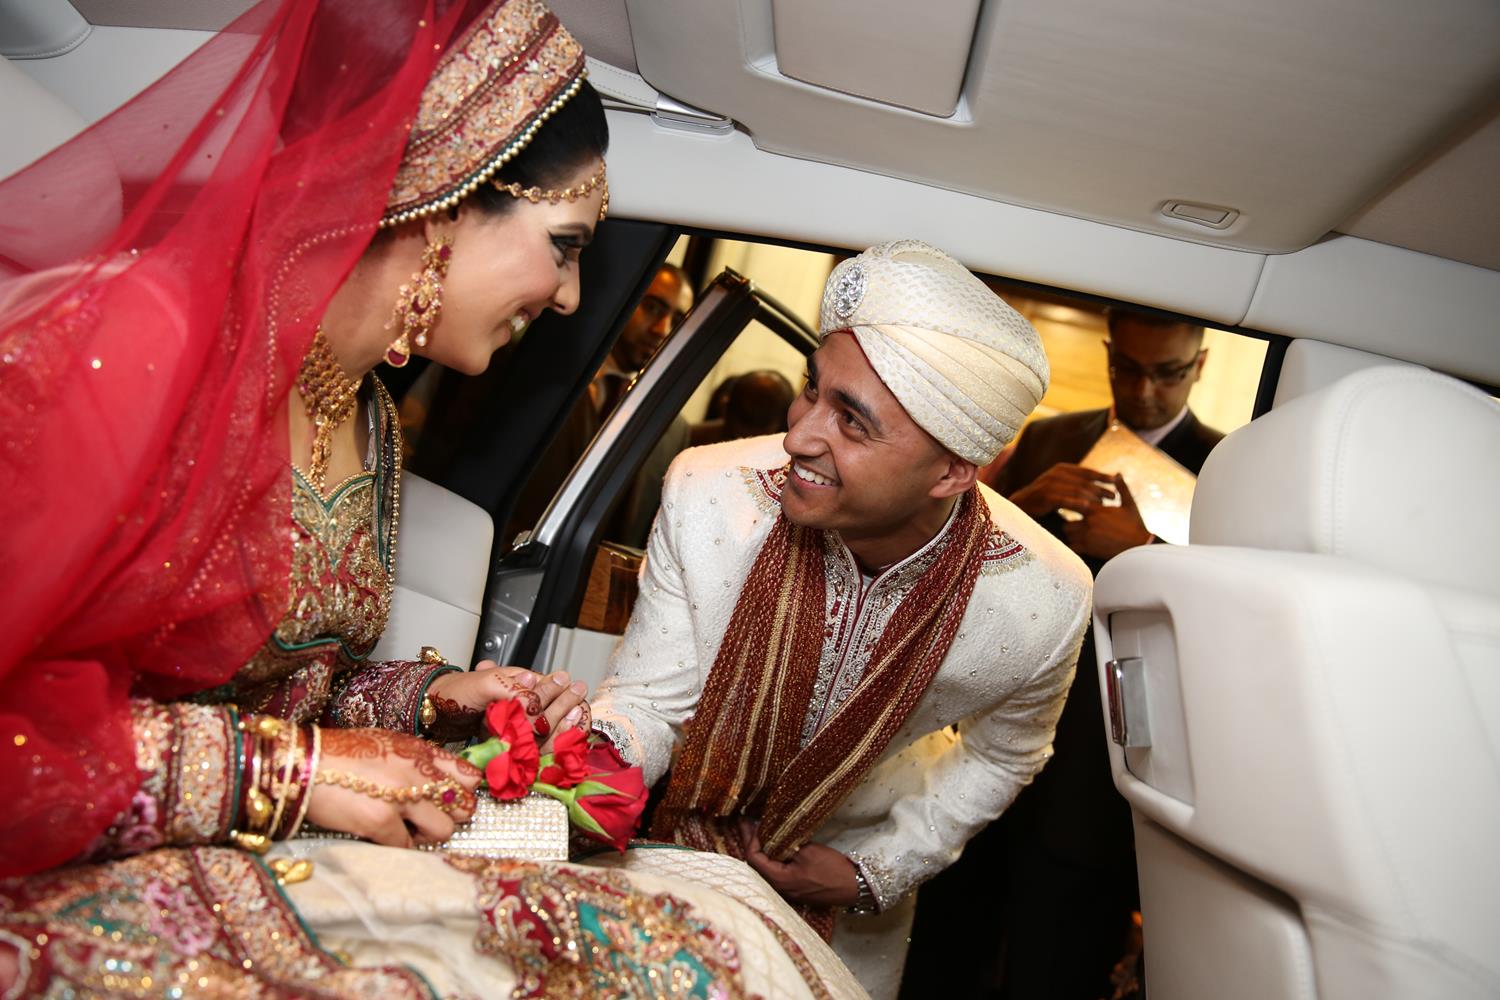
816, 874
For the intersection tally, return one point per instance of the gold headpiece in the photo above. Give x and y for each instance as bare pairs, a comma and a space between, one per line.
534, 194
490, 93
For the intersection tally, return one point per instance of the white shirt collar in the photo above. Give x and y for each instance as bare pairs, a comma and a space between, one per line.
1154, 436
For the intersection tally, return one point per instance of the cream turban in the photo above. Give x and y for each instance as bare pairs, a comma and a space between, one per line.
964, 364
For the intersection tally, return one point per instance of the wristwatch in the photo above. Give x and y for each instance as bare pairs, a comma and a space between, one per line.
866, 905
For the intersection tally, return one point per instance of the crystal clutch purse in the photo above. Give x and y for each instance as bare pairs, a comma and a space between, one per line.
534, 828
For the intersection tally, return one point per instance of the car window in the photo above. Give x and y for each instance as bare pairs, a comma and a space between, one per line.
1074, 332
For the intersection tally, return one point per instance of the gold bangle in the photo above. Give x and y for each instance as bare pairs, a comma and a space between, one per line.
427, 714
281, 785
312, 769
257, 806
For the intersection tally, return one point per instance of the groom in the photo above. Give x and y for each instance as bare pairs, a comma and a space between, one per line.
819, 611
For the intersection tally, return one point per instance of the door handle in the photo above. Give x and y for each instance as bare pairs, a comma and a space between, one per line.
1125, 683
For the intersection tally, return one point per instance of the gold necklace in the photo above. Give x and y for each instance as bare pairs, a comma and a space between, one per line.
330, 396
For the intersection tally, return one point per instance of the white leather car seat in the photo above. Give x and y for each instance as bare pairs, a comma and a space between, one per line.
443, 547
1311, 694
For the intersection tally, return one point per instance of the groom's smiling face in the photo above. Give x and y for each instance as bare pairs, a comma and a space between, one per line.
860, 464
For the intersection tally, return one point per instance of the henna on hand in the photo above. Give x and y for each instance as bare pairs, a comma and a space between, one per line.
530, 701
379, 762
455, 721
377, 744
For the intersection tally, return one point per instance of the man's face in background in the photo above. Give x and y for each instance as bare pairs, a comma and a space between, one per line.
667, 300
1153, 365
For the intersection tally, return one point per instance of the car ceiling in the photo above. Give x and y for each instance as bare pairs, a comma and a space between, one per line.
1381, 119
1375, 118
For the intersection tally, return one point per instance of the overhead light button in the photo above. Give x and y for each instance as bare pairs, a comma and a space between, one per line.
1212, 216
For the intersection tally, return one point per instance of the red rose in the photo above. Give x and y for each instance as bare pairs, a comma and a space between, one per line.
569, 760
603, 756
616, 807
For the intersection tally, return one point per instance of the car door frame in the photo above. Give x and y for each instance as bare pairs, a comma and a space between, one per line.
538, 586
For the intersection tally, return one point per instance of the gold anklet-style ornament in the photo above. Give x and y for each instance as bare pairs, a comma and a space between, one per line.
330, 397
419, 302
446, 793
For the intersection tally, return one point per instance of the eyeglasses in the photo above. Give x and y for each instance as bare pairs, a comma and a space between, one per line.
656, 310
1125, 369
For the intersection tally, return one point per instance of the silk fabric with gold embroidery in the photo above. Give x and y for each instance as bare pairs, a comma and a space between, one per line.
343, 547
174, 923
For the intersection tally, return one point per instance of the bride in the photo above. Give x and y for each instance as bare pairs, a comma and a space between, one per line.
201, 492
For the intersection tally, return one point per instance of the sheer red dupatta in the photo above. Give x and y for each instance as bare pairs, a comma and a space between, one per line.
160, 279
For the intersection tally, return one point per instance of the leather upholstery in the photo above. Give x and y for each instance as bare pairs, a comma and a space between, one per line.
443, 547
1317, 813
1381, 467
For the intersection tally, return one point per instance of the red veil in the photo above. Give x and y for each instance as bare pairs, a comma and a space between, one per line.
160, 279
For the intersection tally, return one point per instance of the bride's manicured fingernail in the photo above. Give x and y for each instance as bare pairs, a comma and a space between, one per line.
573, 715
560, 678
580, 688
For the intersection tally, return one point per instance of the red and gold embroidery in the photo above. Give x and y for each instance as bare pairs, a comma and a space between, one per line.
176, 922
342, 580
186, 758
567, 933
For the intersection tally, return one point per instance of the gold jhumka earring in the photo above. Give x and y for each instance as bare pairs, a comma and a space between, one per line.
554, 195
419, 302
329, 395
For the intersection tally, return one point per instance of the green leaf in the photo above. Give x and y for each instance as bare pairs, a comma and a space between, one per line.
480, 754
598, 788
560, 794
582, 819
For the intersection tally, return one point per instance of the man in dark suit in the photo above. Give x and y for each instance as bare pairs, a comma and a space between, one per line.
1056, 872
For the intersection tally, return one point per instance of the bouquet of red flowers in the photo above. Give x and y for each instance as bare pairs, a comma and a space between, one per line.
604, 796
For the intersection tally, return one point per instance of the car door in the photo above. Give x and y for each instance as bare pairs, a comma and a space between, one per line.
560, 597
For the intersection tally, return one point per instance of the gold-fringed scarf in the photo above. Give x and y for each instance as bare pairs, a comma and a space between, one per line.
743, 755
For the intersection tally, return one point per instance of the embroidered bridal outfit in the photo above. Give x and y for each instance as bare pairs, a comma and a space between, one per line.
182, 600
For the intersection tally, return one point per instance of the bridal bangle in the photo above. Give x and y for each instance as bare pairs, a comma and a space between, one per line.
276, 765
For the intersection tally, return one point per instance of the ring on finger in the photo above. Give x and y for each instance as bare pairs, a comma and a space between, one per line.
447, 795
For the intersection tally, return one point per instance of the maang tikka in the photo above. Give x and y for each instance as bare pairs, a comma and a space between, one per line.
419, 302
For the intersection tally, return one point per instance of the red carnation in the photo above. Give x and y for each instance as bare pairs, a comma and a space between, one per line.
507, 720
511, 771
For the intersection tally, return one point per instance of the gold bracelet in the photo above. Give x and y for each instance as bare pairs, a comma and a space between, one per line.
281, 785
427, 714
257, 804
312, 769
446, 793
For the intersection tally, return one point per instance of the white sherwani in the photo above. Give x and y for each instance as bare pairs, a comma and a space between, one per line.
1001, 685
